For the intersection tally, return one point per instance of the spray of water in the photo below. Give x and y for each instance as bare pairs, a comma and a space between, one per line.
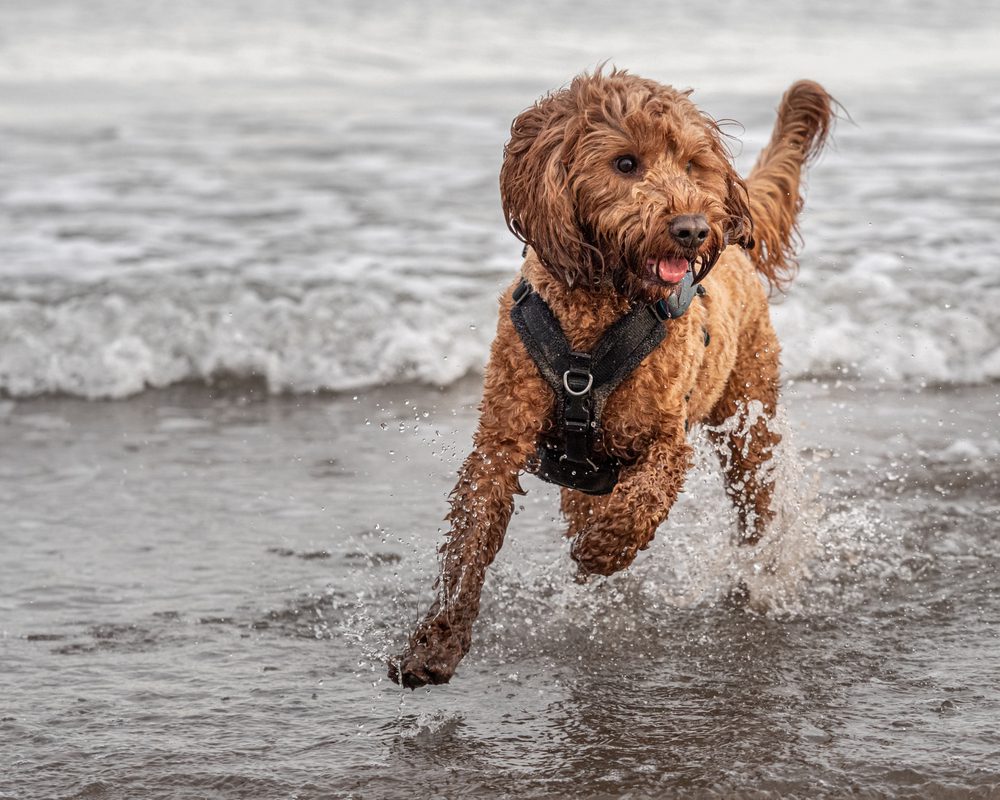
805, 564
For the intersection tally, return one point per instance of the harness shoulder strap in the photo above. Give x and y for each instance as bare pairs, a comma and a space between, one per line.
541, 333
627, 343
568, 372
623, 348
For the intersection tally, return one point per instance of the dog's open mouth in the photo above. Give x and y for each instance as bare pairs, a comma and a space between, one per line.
668, 270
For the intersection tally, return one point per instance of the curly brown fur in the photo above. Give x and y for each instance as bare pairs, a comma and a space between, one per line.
591, 231
600, 241
804, 119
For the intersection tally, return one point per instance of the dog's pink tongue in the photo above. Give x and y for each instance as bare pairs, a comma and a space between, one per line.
671, 270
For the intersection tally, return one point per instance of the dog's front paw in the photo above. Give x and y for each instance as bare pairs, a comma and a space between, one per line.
431, 657
599, 551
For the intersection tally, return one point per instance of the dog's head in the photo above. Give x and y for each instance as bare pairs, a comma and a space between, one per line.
620, 179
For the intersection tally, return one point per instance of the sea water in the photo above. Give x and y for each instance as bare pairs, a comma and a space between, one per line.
249, 261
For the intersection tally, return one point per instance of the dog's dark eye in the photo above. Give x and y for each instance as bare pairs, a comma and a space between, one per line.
688, 167
626, 164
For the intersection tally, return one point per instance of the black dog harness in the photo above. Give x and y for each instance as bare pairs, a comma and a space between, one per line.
584, 381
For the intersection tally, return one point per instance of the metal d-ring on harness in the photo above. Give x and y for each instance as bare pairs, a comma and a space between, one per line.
584, 381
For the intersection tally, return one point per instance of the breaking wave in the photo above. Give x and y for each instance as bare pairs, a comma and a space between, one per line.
123, 337
121, 340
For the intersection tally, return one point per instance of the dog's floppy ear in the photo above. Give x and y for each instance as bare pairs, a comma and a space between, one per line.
737, 199
738, 207
535, 188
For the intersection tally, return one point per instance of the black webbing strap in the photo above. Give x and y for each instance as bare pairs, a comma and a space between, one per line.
584, 381
577, 385
622, 349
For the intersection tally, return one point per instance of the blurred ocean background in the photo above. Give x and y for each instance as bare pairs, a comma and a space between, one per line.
306, 193
250, 253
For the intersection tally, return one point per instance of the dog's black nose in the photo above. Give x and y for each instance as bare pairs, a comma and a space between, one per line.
689, 230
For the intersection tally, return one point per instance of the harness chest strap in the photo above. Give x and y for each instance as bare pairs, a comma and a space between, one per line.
584, 381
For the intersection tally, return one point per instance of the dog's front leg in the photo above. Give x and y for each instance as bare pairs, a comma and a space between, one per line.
516, 402
639, 503
481, 505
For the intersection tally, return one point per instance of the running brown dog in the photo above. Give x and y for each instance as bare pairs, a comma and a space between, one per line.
620, 187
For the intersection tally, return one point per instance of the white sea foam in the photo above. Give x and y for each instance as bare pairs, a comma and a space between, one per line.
116, 343
121, 336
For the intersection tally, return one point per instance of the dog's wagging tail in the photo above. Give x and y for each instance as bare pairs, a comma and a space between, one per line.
621, 187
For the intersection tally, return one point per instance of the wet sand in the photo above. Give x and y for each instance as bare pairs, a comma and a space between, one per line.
198, 588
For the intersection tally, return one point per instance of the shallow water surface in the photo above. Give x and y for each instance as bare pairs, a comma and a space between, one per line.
206, 609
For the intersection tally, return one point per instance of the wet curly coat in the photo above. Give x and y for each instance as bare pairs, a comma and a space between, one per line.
593, 179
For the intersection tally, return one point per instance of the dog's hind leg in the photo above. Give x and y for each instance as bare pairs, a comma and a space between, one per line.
750, 399
744, 430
